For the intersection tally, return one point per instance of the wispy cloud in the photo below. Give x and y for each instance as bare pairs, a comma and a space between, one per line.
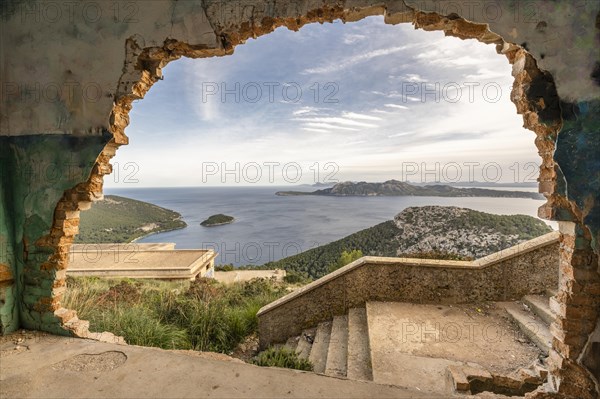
352, 38
305, 110
337, 120
312, 129
354, 115
322, 125
355, 59
396, 106
376, 124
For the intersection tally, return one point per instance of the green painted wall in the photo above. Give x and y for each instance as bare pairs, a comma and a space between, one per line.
9, 315
41, 168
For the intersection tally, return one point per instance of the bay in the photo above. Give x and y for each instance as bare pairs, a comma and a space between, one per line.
269, 227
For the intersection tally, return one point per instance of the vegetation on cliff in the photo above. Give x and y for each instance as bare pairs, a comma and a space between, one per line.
120, 219
431, 232
217, 220
345, 258
398, 188
378, 240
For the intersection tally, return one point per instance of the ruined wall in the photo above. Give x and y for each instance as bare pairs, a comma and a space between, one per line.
71, 71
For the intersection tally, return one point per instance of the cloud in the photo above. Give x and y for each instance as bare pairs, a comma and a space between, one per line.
354, 115
374, 126
304, 110
409, 77
321, 125
355, 59
484, 74
312, 129
401, 134
352, 38
355, 142
396, 106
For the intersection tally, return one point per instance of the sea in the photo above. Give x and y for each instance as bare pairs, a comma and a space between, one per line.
268, 227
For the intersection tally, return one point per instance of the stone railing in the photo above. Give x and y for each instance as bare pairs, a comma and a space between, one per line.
527, 268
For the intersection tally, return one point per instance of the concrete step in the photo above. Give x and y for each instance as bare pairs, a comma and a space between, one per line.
359, 353
532, 326
305, 344
318, 354
540, 305
337, 354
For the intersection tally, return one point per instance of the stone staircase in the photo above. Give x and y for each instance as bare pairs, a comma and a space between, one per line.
533, 316
370, 344
337, 348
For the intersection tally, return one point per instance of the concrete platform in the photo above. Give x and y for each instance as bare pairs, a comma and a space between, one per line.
59, 367
412, 345
128, 261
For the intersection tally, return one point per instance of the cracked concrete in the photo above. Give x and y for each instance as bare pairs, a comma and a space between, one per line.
59, 367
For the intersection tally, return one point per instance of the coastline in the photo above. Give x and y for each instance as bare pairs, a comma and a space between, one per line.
156, 232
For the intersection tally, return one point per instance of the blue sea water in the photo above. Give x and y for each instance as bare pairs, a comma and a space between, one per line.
269, 227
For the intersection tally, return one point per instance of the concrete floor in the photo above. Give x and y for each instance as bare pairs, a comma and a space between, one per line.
412, 344
43, 366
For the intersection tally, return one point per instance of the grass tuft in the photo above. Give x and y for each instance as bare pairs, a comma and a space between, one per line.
282, 357
203, 315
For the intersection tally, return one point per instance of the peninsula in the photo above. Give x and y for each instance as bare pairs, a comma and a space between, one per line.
398, 188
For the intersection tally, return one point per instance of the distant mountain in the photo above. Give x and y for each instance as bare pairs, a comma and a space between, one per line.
529, 184
398, 188
317, 184
438, 232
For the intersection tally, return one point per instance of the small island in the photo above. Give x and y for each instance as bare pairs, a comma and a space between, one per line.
217, 220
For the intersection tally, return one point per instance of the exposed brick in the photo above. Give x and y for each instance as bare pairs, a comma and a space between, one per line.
572, 338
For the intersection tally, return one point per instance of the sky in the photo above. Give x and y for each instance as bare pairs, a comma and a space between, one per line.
361, 101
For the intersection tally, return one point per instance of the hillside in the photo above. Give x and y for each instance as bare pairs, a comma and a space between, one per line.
398, 188
423, 232
120, 219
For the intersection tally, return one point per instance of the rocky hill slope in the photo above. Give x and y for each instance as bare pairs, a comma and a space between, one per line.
439, 232
464, 232
120, 219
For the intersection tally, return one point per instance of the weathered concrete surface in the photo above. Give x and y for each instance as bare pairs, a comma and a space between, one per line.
132, 262
412, 345
53, 367
359, 354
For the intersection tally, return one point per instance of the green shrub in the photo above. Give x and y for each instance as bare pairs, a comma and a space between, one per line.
345, 258
294, 277
203, 315
140, 326
282, 357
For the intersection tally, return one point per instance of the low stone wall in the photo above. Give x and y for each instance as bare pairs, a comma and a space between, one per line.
239, 276
527, 268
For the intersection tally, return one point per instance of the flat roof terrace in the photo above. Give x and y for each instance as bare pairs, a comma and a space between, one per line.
119, 260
